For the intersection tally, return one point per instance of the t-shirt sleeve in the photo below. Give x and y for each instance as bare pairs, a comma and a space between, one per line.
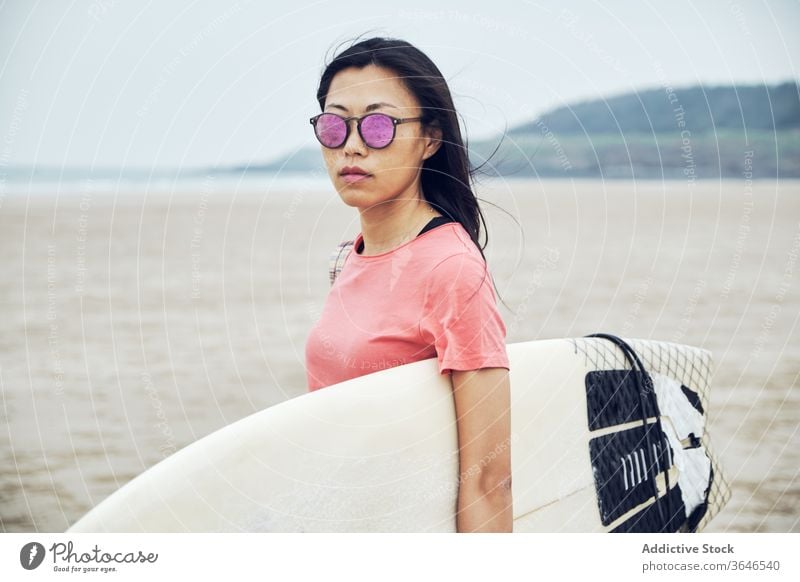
460, 317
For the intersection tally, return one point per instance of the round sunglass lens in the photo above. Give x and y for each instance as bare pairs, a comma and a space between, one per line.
331, 130
377, 130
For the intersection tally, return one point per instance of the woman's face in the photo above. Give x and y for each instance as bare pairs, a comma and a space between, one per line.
392, 172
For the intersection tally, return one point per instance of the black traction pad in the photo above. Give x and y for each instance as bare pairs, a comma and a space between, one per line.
623, 475
650, 518
612, 398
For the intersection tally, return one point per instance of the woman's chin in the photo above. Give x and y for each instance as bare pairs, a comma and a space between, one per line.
355, 196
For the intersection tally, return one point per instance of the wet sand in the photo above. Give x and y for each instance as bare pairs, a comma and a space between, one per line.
134, 324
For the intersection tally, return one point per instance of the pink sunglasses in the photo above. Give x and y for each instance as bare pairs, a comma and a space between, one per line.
377, 130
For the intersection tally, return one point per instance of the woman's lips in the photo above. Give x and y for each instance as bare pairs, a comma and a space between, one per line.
353, 178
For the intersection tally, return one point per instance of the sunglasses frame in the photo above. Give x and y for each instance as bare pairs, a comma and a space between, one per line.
395, 122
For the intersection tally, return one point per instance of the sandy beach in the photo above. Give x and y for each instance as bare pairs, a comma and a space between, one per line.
134, 323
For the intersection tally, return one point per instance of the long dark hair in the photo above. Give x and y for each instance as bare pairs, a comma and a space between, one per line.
447, 177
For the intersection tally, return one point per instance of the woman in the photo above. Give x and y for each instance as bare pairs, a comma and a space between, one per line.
415, 284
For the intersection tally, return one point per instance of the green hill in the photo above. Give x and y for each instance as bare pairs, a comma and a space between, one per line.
686, 133
702, 110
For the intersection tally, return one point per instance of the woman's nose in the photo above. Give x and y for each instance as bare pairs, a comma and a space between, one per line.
354, 144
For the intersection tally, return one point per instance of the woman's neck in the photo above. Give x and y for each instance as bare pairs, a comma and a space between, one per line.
388, 225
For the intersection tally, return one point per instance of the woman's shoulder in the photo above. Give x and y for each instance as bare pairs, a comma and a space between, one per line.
458, 262
452, 246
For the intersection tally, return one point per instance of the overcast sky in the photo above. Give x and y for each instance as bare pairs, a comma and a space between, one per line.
163, 84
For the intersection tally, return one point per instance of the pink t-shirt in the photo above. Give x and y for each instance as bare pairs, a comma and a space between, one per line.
430, 297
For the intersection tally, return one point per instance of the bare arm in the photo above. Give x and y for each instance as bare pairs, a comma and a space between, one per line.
483, 416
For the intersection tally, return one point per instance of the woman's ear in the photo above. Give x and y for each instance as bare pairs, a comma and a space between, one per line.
433, 141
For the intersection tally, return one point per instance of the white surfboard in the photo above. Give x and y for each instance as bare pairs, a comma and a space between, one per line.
379, 453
